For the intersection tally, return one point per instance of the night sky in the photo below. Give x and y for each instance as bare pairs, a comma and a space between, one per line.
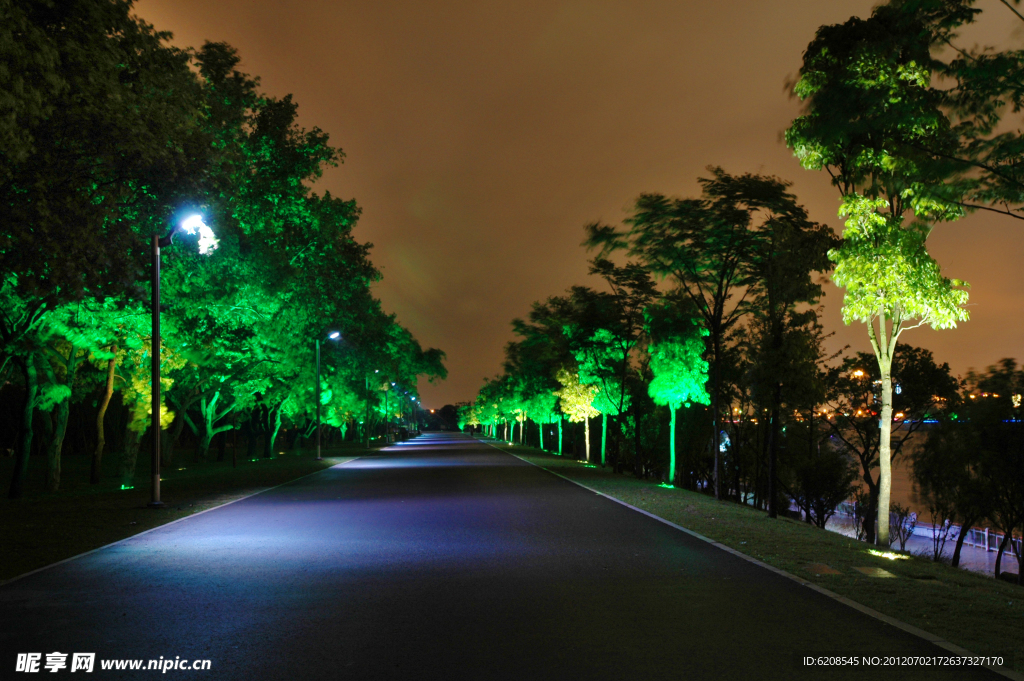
481, 137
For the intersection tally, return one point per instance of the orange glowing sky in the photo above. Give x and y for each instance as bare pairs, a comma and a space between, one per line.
482, 136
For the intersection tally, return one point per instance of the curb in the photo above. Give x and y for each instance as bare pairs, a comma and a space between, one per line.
870, 612
160, 527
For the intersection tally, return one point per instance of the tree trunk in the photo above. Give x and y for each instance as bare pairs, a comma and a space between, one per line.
1015, 547
637, 457
129, 457
251, 434
738, 473
170, 440
97, 455
604, 438
999, 554
586, 436
559, 435
773, 452
204, 445
273, 427
25, 439
715, 450
672, 444
884, 456
222, 446
56, 444
964, 529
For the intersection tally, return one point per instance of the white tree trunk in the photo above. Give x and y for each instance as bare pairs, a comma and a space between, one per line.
586, 436
884, 458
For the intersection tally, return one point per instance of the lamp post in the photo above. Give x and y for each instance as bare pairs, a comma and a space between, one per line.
334, 335
366, 429
387, 417
207, 243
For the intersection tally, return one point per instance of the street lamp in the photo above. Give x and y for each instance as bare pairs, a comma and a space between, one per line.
333, 335
193, 224
366, 429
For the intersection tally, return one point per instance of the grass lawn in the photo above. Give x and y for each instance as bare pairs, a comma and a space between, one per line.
43, 528
970, 610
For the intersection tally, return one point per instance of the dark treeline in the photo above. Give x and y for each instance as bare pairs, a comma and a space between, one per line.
109, 136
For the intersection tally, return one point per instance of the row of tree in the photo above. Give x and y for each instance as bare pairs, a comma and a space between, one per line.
108, 136
912, 129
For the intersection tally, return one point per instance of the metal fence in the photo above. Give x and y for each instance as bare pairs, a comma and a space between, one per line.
978, 537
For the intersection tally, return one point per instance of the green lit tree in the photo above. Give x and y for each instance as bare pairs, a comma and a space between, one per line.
677, 363
543, 409
576, 401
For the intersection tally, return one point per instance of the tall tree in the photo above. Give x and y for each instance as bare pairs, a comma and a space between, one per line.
789, 250
705, 245
609, 328
865, 88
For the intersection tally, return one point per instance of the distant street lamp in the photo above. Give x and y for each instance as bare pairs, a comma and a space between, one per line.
860, 373
366, 429
334, 335
207, 244
387, 417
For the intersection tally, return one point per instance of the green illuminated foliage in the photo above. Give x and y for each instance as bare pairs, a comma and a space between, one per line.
896, 106
108, 136
677, 363
576, 400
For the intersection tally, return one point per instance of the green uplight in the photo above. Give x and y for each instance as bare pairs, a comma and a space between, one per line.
888, 554
127, 486
667, 486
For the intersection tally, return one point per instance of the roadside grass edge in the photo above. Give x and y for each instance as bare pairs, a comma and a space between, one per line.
1006, 672
4, 583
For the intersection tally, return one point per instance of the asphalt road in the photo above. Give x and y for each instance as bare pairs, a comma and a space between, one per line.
441, 558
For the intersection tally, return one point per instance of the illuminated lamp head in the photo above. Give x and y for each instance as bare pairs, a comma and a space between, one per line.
334, 335
194, 224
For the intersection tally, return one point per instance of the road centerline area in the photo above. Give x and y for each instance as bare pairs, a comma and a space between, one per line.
442, 557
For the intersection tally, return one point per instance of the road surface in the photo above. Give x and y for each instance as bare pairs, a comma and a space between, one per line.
440, 558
